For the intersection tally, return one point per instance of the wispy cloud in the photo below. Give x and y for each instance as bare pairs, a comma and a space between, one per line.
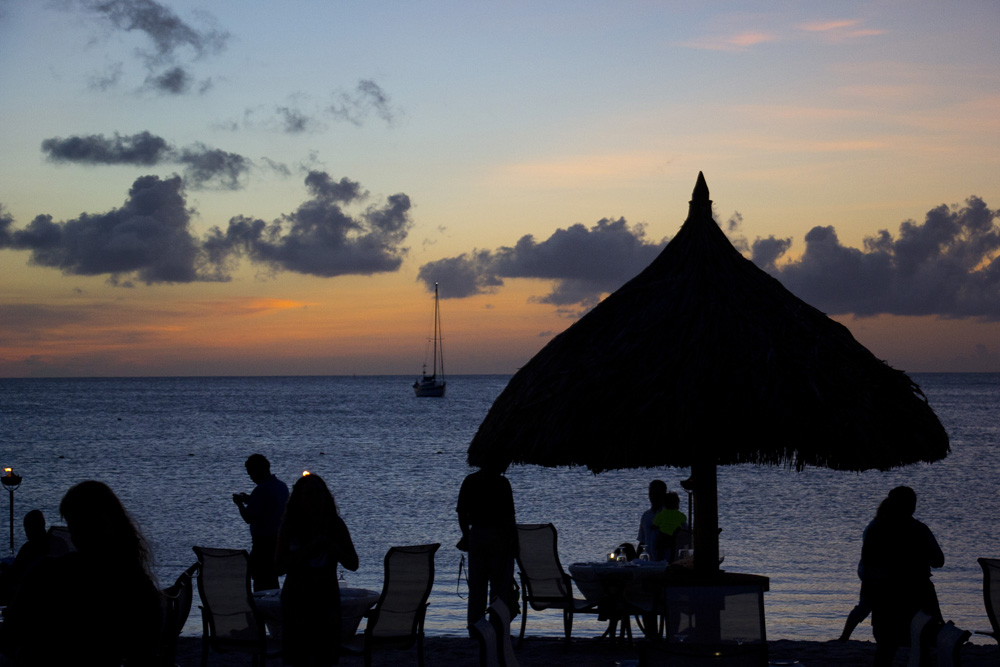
166, 41
739, 41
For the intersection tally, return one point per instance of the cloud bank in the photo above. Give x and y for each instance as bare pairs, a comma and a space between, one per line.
320, 238
204, 167
948, 265
149, 238
584, 263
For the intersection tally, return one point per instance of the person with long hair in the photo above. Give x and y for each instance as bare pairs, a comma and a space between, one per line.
312, 540
897, 555
100, 603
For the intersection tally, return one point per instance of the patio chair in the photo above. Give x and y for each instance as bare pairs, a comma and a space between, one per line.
482, 631
712, 624
991, 595
229, 618
544, 583
499, 614
60, 541
176, 600
397, 620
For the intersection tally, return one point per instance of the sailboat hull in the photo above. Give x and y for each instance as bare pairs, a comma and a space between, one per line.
429, 387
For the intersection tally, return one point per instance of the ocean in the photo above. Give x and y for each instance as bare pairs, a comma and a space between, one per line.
173, 450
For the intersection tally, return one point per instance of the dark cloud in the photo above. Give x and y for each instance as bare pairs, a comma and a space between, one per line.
366, 99
204, 167
173, 81
213, 168
148, 238
167, 38
320, 238
948, 265
584, 263
143, 149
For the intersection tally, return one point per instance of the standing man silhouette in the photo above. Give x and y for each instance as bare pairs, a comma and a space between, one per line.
263, 509
489, 534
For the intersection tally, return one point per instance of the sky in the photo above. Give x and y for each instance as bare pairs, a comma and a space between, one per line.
250, 188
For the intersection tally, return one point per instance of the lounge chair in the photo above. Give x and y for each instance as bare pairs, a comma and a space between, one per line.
229, 618
991, 596
176, 601
544, 583
397, 620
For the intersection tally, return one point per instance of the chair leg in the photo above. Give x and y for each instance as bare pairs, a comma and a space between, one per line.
368, 653
568, 624
420, 650
524, 621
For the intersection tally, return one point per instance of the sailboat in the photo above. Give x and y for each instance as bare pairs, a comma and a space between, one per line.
432, 385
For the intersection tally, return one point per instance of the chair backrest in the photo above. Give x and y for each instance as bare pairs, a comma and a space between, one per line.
722, 619
176, 600
60, 541
991, 591
409, 577
224, 586
499, 614
538, 559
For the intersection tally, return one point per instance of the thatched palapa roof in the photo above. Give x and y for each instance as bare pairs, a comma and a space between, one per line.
705, 355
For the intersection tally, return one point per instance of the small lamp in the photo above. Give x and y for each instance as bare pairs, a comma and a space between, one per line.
11, 481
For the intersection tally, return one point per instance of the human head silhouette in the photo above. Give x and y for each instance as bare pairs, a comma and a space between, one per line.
99, 525
34, 524
903, 500
657, 492
258, 467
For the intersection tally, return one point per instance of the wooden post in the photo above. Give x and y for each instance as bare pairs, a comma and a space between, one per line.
706, 511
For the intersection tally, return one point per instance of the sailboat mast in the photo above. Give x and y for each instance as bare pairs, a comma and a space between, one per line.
434, 368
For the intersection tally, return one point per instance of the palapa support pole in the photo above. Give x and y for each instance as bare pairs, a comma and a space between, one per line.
706, 509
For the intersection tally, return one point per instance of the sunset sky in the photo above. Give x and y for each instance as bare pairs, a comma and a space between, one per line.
250, 188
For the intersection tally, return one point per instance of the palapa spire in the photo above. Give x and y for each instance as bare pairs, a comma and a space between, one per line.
700, 193
700, 205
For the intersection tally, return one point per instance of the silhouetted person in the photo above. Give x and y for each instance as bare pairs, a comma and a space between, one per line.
36, 547
646, 537
313, 539
862, 608
666, 523
96, 606
263, 509
489, 534
896, 559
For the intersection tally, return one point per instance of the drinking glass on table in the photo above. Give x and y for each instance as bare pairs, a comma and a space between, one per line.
644, 556
620, 556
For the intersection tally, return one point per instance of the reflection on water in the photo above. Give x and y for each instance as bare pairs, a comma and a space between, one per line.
173, 449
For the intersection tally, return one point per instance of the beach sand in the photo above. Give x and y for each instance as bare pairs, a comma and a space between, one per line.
536, 652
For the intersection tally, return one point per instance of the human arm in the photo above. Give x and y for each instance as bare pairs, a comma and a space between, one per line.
346, 554
935, 556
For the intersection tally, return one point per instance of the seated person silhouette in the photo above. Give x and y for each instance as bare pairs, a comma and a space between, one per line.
666, 523
95, 606
36, 547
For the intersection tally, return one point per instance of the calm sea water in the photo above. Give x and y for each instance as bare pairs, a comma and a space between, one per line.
173, 449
